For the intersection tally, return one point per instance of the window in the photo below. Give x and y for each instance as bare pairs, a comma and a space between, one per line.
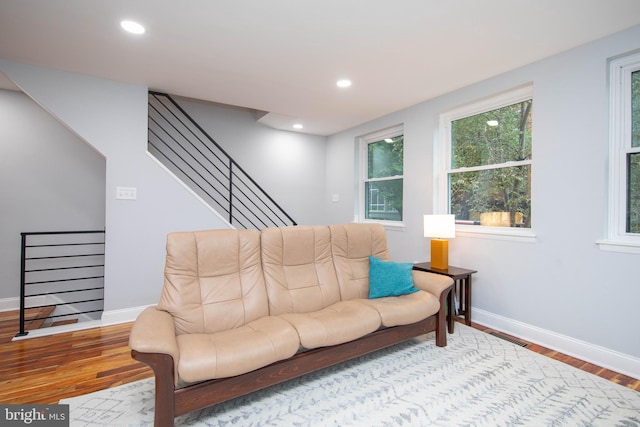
624, 155
382, 168
485, 169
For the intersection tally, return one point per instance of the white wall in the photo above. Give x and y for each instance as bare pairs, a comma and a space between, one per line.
50, 180
289, 166
562, 289
112, 117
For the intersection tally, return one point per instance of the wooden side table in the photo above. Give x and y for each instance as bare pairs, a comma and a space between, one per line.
461, 290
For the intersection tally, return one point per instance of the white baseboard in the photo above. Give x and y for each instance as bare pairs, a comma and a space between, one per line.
112, 317
601, 356
52, 330
8, 304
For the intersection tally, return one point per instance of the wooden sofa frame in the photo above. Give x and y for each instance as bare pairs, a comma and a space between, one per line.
171, 402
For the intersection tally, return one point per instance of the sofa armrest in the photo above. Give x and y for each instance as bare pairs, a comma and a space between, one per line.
154, 332
431, 282
440, 286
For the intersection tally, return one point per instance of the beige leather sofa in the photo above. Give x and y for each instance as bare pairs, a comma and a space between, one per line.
241, 310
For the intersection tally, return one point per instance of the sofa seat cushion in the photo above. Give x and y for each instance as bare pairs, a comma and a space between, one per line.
404, 309
339, 323
236, 351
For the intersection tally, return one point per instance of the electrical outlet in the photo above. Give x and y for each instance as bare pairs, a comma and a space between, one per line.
126, 193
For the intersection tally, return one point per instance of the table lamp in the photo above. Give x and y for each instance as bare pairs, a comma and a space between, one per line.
440, 228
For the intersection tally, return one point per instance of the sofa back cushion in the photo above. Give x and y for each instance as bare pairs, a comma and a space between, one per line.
352, 245
298, 269
213, 280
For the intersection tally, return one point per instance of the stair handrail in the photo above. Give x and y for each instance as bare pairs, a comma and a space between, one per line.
23, 272
232, 164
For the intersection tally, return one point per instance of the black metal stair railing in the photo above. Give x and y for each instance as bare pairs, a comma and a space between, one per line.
61, 272
188, 151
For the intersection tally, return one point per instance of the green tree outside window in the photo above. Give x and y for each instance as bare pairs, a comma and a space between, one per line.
633, 159
384, 183
490, 165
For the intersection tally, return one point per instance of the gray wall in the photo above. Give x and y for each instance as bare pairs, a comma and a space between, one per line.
112, 117
562, 287
50, 180
289, 166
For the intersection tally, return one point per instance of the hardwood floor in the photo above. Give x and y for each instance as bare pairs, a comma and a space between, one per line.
46, 369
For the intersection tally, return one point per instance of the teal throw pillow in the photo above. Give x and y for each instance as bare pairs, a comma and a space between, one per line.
388, 278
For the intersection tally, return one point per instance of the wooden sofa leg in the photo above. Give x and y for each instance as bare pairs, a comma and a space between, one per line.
441, 320
162, 366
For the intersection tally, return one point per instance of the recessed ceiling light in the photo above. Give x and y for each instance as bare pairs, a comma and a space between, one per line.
298, 126
343, 83
492, 122
132, 27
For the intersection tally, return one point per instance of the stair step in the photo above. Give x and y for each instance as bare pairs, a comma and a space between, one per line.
64, 322
10, 321
39, 318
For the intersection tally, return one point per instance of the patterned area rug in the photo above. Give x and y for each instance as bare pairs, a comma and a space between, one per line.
477, 380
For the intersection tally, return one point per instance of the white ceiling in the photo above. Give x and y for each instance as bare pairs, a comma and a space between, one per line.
284, 57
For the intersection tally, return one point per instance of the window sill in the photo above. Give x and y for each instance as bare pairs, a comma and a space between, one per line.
388, 225
525, 235
619, 246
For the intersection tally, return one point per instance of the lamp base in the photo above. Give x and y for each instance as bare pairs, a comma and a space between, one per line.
440, 254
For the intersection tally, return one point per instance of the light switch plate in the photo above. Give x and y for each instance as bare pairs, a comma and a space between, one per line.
126, 193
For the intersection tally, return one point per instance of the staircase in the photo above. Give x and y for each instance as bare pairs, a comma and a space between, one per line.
61, 279
191, 155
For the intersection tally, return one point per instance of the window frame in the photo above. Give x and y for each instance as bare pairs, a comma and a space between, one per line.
363, 144
617, 239
443, 168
